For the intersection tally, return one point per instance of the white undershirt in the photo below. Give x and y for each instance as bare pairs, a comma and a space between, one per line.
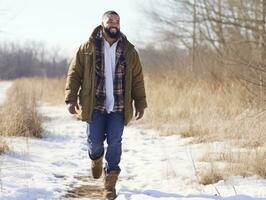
109, 72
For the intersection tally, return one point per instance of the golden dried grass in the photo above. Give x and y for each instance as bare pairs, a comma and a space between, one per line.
19, 115
49, 90
210, 175
3, 147
208, 111
245, 162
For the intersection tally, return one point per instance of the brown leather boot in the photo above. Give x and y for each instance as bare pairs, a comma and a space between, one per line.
110, 180
97, 167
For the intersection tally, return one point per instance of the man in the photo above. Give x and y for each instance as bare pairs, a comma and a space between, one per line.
103, 81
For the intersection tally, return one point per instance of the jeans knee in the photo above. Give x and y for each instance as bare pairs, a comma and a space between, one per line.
96, 151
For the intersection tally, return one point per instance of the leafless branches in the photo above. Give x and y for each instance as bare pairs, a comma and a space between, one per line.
232, 32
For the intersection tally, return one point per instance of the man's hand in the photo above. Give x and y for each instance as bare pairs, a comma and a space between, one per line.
72, 107
139, 113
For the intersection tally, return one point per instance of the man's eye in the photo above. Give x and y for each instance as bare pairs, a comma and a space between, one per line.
112, 21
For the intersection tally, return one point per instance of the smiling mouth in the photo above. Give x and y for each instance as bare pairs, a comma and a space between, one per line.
113, 29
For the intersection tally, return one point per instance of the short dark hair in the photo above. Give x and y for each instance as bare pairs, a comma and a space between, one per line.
110, 12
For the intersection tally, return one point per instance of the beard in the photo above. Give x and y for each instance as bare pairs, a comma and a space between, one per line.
111, 34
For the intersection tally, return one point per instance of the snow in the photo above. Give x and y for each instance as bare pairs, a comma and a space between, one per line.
152, 166
4, 85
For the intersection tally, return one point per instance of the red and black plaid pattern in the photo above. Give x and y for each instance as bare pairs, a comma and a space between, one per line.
119, 79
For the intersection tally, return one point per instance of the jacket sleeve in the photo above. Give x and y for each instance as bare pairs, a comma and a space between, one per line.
74, 76
138, 88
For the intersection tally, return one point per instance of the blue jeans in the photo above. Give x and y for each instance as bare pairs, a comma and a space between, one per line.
106, 126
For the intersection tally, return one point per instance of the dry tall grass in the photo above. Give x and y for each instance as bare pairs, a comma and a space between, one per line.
210, 175
3, 147
49, 90
204, 109
208, 111
238, 163
19, 112
19, 116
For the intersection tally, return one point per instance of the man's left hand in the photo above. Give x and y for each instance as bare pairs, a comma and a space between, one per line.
139, 113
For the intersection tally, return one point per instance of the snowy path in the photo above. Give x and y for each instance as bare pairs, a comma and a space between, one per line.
153, 167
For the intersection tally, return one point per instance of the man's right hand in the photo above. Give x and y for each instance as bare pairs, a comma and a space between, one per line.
72, 107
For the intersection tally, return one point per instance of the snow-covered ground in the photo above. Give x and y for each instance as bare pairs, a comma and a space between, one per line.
153, 167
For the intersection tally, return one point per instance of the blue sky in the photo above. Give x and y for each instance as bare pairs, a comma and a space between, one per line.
67, 23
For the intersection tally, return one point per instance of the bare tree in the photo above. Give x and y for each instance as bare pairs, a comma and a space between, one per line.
233, 32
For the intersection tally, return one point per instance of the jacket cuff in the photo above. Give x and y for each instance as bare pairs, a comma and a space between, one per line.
140, 104
67, 101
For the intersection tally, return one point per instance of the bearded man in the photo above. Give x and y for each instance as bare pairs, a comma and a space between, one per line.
104, 83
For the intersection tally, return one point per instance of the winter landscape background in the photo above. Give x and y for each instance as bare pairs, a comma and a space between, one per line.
203, 134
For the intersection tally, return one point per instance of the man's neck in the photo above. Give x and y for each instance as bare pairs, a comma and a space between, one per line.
109, 39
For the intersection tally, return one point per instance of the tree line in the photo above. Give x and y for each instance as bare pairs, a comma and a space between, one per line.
30, 59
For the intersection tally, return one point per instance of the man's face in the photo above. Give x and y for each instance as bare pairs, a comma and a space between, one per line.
111, 25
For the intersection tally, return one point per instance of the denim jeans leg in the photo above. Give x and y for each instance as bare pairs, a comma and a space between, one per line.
96, 135
114, 131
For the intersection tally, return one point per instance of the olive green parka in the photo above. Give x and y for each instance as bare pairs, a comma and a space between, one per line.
80, 83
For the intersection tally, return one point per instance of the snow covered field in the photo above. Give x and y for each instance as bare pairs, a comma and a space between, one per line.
153, 167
